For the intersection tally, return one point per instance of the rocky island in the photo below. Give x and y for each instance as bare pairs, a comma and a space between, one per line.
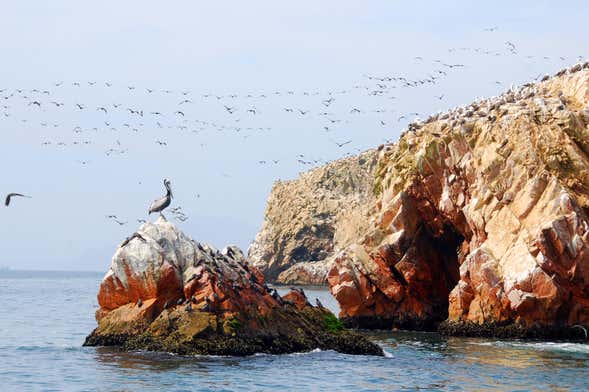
310, 219
475, 222
167, 292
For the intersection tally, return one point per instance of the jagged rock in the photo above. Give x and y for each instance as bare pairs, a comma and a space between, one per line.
479, 222
309, 219
170, 293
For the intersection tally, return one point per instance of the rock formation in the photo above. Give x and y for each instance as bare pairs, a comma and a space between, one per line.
481, 220
166, 292
309, 219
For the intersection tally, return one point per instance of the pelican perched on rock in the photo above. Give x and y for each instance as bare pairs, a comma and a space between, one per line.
161, 204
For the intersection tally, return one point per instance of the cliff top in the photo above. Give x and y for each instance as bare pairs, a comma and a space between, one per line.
506, 121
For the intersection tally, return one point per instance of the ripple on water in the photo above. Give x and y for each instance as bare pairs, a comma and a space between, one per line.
545, 346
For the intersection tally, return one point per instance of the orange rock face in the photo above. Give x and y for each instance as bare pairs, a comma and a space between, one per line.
164, 284
481, 217
298, 298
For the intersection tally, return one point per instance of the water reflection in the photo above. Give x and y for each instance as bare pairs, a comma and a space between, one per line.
157, 362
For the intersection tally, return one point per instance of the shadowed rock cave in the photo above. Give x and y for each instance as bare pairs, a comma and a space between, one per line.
426, 269
441, 254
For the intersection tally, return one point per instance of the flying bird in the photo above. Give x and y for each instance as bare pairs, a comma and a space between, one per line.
10, 195
341, 144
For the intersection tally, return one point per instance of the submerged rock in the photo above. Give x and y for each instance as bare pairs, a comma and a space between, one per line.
480, 221
166, 292
308, 220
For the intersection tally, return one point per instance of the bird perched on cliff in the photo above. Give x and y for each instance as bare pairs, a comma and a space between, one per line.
161, 204
277, 296
133, 236
10, 195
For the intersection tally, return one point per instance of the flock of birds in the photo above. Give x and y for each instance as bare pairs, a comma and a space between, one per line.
243, 114
490, 107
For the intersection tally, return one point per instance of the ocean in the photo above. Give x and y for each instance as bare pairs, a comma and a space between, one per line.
45, 317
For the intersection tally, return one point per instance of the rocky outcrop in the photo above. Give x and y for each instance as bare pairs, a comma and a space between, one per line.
310, 219
166, 292
481, 220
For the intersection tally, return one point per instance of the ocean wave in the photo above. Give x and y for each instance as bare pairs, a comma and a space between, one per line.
40, 348
543, 346
317, 350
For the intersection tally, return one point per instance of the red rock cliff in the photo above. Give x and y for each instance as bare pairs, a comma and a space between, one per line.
481, 218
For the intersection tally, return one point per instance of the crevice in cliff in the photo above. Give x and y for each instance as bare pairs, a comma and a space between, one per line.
447, 246
438, 252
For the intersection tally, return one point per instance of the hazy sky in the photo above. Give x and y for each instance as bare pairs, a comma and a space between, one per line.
262, 56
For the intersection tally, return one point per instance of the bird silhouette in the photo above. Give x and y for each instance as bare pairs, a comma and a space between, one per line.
132, 237
11, 195
341, 144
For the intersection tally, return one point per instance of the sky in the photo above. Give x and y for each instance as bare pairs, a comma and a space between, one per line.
273, 89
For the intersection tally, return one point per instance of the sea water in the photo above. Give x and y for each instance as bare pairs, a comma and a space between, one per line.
45, 316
